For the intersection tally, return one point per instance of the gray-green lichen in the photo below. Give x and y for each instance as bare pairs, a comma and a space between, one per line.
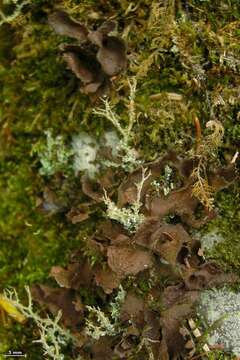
99, 324
54, 156
210, 240
219, 310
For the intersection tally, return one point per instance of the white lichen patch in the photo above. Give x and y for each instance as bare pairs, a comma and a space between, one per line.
111, 140
220, 313
85, 150
210, 240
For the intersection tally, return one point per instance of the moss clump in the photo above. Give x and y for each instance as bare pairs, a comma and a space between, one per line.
225, 252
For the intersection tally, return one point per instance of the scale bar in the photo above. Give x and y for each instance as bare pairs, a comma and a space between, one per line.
15, 355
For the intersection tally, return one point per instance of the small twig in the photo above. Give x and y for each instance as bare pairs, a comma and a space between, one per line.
234, 159
139, 185
132, 108
198, 133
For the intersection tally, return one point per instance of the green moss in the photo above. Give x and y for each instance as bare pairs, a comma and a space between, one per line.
227, 252
219, 355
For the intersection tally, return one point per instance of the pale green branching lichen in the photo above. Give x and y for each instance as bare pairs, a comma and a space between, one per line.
219, 310
54, 156
168, 185
130, 217
99, 324
129, 158
102, 325
115, 306
52, 336
146, 343
165, 183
